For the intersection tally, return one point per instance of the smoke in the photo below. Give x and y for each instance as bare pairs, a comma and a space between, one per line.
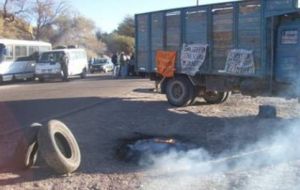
272, 163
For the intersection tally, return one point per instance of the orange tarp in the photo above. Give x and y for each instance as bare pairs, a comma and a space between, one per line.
165, 62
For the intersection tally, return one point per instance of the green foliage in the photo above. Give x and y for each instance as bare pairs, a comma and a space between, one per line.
121, 39
126, 27
118, 43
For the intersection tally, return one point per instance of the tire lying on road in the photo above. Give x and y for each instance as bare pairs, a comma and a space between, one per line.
27, 148
59, 148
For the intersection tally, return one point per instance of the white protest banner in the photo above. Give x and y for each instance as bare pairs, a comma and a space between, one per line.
192, 58
240, 61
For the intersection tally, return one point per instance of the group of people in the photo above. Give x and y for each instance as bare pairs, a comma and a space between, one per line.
123, 64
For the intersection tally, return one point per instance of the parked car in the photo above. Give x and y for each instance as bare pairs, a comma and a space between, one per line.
101, 65
49, 64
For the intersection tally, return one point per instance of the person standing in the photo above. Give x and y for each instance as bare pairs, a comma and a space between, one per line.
122, 63
131, 65
64, 61
114, 60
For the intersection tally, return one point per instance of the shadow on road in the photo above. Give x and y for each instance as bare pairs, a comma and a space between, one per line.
100, 125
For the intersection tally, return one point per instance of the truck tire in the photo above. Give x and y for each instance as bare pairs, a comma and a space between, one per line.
226, 96
27, 148
214, 97
180, 91
59, 148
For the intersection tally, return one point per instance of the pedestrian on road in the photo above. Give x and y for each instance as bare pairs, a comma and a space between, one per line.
64, 61
131, 65
122, 63
116, 69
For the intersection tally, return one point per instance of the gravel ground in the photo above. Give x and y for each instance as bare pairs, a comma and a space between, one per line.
237, 150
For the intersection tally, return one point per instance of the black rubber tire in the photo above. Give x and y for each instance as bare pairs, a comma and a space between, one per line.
226, 96
26, 155
215, 97
59, 148
27, 148
185, 91
83, 74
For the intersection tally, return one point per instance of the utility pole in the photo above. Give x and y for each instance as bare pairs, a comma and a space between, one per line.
197, 2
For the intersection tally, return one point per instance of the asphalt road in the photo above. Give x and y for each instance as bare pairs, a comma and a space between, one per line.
23, 103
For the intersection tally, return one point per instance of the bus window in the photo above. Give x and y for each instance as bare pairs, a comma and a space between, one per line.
9, 52
32, 50
20, 51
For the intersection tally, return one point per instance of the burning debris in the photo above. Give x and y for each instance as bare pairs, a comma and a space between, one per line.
141, 150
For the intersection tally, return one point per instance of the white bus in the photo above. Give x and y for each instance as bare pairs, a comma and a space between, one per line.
18, 58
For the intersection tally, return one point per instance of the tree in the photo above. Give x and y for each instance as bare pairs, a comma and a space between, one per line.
45, 14
12, 8
76, 30
126, 27
18, 29
118, 43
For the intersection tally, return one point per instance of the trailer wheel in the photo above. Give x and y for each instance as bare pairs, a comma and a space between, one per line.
180, 91
226, 96
215, 97
59, 148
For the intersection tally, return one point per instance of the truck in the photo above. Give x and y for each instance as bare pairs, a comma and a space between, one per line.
250, 46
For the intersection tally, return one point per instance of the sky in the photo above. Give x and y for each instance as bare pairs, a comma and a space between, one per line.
107, 14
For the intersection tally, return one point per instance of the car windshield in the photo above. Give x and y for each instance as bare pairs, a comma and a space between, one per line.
100, 61
47, 57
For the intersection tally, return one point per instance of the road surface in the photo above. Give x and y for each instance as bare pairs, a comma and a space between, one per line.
103, 113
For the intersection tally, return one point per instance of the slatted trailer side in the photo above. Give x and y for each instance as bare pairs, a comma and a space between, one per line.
226, 28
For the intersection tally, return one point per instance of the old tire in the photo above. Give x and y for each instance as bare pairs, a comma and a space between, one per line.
26, 155
59, 148
27, 148
215, 97
180, 91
